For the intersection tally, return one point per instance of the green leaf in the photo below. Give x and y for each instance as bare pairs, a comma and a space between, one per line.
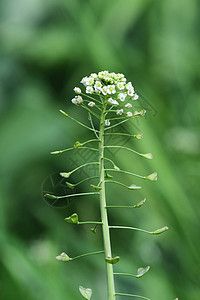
72, 219
152, 177
77, 145
139, 204
161, 230
63, 257
134, 187
142, 271
112, 260
70, 185
85, 292
49, 196
65, 175
96, 188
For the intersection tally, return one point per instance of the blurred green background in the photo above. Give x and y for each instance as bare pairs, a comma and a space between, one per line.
46, 47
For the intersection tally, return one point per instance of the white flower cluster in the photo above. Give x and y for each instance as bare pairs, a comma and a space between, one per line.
113, 87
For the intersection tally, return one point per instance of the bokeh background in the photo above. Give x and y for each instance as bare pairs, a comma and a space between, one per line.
46, 47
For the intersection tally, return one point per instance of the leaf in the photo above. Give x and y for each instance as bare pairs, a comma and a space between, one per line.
49, 196
161, 230
72, 219
65, 175
63, 257
112, 260
142, 271
96, 188
134, 187
139, 204
85, 292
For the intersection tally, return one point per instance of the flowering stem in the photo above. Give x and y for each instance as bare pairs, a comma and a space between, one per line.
104, 215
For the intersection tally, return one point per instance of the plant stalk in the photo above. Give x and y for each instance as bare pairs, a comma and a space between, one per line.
103, 208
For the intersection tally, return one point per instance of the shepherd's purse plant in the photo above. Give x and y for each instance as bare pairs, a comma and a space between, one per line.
109, 101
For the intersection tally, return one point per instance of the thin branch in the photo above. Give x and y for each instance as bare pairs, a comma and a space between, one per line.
117, 124
92, 124
90, 111
91, 98
147, 155
53, 197
126, 172
131, 295
85, 126
125, 134
131, 187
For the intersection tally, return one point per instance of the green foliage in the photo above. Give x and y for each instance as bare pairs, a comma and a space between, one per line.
45, 46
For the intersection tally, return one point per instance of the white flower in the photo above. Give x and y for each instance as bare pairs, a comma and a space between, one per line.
128, 105
120, 111
104, 90
129, 114
122, 96
89, 90
107, 122
77, 90
97, 86
120, 85
94, 75
123, 79
102, 74
77, 100
111, 89
130, 92
84, 81
90, 80
91, 104
129, 86
87, 81
135, 97
112, 101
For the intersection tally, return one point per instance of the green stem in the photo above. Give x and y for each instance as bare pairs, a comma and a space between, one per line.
120, 206
123, 134
88, 254
126, 274
131, 228
104, 215
131, 295
76, 195
66, 115
89, 222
